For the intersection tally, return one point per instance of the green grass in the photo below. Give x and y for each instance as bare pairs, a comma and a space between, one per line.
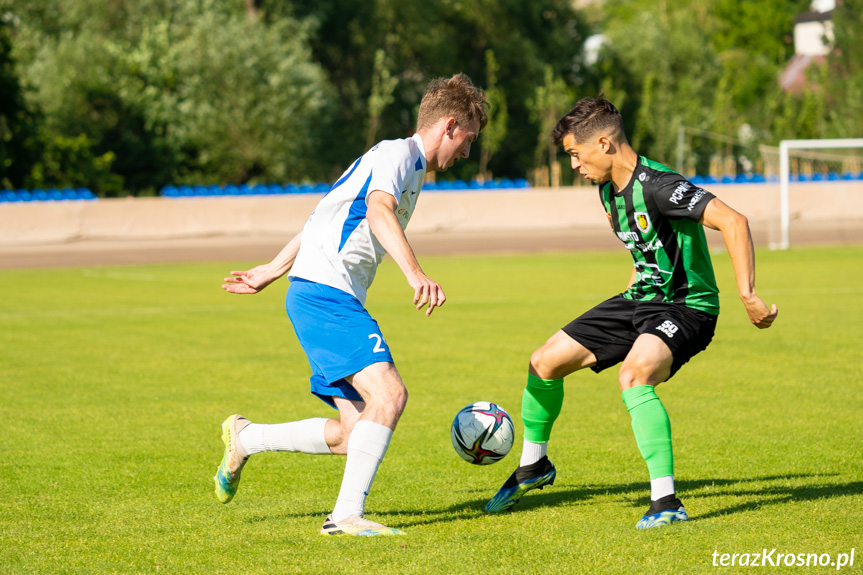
115, 381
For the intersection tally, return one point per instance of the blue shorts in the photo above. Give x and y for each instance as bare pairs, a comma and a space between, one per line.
338, 335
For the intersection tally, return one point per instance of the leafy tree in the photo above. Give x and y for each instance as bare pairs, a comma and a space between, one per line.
843, 79
202, 91
657, 57
759, 27
383, 85
206, 95
19, 144
450, 37
69, 162
495, 131
552, 99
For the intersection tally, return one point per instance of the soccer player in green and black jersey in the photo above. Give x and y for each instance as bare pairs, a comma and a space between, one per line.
666, 315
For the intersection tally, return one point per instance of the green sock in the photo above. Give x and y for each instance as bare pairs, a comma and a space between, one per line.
540, 406
652, 429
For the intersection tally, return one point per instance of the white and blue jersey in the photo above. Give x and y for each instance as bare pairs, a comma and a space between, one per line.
339, 255
338, 247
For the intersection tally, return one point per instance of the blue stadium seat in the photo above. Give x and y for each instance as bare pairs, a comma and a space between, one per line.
231, 190
214, 190
85, 194
474, 185
322, 188
69, 194
23, 196
521, 183
305, 189
7, 196
39, 195
817, 177
169, 192
490, 185
697, 180
54, 195
726, 179
832, 177
849, 176
444, 185
275, 190
758, 179
506, 184
290, 189
184, 192
430, 187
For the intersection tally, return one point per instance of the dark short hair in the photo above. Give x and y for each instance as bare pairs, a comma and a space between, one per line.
457, 97
589, 116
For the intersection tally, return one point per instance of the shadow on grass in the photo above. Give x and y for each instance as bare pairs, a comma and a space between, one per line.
636, 494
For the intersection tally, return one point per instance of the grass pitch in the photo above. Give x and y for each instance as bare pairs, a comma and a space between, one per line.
115, 381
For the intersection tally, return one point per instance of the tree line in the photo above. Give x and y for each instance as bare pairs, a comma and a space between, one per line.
126, 96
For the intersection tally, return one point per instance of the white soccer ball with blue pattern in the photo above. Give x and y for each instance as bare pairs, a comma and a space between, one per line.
482, 433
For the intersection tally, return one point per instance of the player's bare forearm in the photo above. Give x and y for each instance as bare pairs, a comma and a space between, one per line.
284, 260
738, 240
386, 227
256, 279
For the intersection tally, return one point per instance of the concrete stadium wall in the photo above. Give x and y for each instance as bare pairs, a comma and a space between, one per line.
817, 206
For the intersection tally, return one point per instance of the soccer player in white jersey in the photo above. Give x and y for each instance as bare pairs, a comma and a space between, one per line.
331, 264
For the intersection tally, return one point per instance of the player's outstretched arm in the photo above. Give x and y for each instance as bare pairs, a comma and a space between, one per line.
259, 277
738, 239
382, 219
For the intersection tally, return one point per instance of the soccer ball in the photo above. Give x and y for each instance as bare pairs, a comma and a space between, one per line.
482, 433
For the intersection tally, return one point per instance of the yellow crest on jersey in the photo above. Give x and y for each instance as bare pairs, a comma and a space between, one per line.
642, 221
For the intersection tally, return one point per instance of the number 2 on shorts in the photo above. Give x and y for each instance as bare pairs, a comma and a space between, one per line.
378, 346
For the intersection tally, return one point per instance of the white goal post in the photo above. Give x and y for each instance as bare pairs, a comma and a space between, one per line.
785, 176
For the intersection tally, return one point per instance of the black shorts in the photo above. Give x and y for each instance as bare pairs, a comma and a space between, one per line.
609, 330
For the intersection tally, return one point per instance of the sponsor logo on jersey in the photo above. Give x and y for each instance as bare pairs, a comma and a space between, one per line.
696, 197
650, 274
642, 177
668, 328
678, 192
628, 236
651, 246
642, 221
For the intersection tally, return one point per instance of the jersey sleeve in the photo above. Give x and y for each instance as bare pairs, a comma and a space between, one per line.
676, 197
390, 170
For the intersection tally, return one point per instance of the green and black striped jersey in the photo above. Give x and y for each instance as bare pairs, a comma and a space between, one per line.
656, 217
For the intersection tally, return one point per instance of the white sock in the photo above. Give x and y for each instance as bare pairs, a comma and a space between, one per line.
367, 446
661, 486
532, 452
306, 436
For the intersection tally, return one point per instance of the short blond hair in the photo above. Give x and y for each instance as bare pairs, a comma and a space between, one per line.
457, 97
